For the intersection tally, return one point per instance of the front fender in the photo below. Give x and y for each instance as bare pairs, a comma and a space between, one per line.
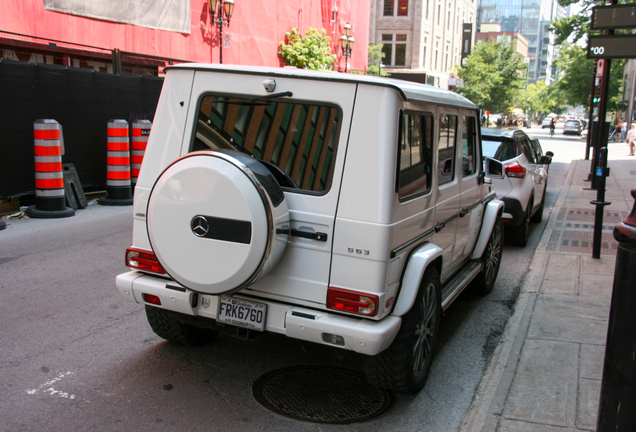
493, 211
419, 260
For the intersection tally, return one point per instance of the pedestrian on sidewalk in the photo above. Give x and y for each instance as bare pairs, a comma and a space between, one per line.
623, 130
631, 137
617, 128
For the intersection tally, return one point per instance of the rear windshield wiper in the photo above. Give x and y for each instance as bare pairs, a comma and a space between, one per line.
275, 95
259, 100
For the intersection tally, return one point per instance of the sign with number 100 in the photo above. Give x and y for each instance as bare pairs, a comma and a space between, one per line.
597, 50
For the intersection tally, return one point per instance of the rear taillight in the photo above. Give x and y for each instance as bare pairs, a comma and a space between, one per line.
515, 170
351, 301
143, 260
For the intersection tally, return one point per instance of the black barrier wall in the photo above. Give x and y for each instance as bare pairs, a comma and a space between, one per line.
82, 101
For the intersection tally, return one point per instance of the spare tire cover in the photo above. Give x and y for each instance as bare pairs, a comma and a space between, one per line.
212, 219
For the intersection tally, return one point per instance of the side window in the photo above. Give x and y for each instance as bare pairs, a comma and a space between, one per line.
415, 144
538, 151
446, 148
528, 151
469, 146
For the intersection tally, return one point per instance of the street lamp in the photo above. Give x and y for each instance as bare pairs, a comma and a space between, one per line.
346, 42
223, 9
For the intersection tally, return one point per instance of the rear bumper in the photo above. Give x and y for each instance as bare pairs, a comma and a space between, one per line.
360, 335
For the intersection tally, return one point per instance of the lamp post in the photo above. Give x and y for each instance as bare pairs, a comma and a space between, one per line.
346, 42
221, 11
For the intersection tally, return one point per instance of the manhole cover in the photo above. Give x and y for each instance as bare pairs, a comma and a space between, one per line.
321, 395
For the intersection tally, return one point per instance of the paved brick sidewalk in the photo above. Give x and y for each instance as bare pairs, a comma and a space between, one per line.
545, 375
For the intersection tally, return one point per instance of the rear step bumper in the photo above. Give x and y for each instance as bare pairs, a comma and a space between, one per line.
360, 335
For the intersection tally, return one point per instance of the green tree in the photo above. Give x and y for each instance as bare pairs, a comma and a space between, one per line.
577, 25
492, 76
374, 59
537, 98
576, 73
310, 52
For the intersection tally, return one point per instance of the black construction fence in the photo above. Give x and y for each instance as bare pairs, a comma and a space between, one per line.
82, 100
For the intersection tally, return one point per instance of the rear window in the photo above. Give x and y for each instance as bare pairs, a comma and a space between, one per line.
572, 123
297, 141
499, 150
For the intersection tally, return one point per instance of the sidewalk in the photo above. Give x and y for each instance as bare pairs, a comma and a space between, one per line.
545, 375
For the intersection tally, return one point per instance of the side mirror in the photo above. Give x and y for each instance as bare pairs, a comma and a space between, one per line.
545, 160
549, 154
493, 168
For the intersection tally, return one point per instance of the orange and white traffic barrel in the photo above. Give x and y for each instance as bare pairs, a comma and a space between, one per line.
118, 187
140, 134
50, 200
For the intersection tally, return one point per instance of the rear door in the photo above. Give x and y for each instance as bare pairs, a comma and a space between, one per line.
448, 186
305, 136
471, 191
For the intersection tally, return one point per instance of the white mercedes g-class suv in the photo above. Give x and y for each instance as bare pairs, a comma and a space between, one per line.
339, 209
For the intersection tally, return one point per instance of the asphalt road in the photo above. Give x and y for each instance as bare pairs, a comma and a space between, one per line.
75, 356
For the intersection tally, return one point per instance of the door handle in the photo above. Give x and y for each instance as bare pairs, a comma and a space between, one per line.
304, 234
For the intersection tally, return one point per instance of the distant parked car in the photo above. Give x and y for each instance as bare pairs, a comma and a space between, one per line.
546, 123
573, 127
526, 177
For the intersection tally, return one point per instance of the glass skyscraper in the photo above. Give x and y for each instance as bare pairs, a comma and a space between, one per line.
531, 18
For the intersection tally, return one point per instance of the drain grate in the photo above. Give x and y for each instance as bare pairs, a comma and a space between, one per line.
570, 215
321, 394
580, 241
573, 230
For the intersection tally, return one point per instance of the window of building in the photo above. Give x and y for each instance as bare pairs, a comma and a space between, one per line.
415, 154
436, 54
388, 7
402, 7
469, 146
394, 49
396, 7
300, 139
446, 148
424, 52
439, 13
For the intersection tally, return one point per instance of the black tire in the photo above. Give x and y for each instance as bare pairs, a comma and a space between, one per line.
521, 233
538, 216
404, 365
173, 330
491, 259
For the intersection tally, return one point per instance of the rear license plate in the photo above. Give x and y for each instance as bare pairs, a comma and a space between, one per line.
242, 313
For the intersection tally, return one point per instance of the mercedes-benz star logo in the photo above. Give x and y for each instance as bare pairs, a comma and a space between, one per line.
199, 226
